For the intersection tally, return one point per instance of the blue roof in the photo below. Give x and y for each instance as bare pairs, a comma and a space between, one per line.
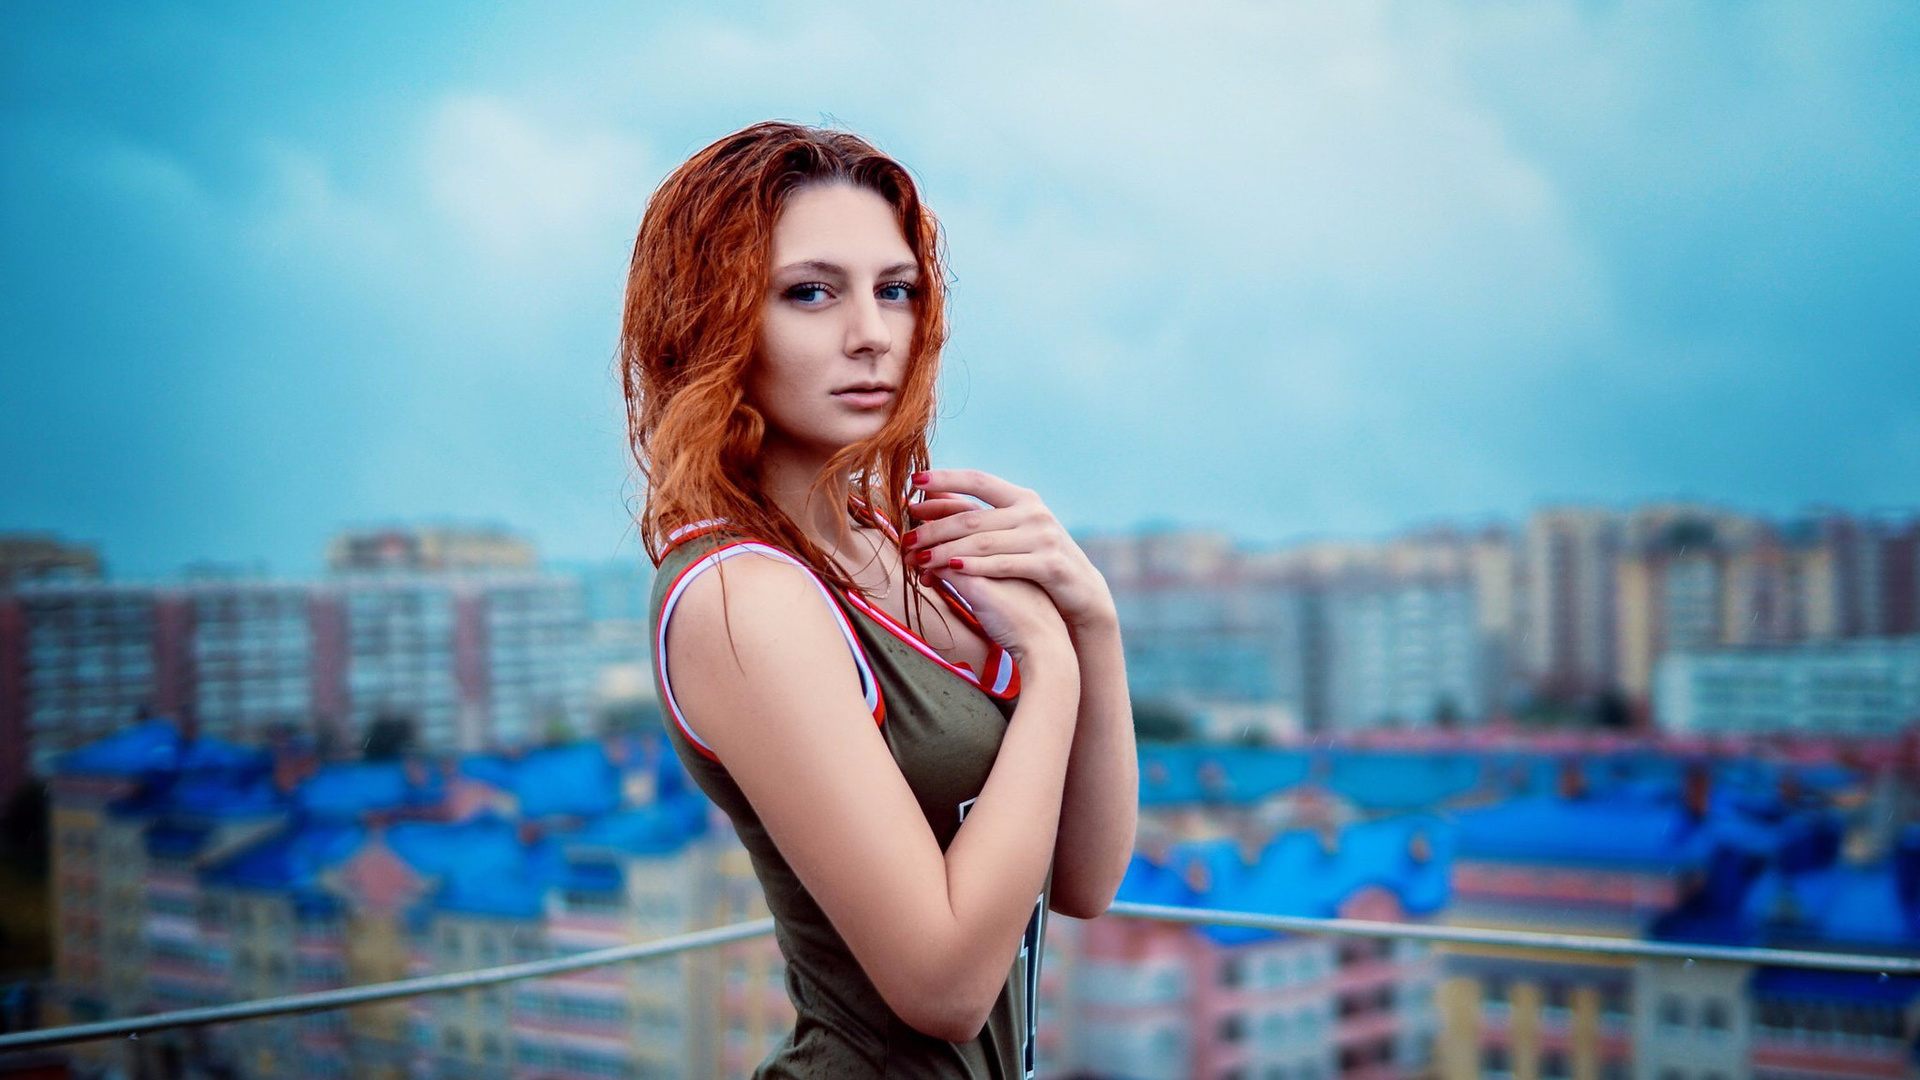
1294, 875
1854, 906
143, 748
1191, 772
574, 780
659, 829
226, 795
291, 859
348, 790
155, 746
1402, 781
1828, 986
1785, 885
1618, 832
1393, 781
484, 867
218, 754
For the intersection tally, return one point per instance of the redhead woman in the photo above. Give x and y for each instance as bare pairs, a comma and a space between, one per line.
904, 685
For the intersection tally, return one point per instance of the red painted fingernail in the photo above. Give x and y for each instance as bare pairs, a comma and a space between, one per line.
909, 538
922, 558
920, 479
953, 564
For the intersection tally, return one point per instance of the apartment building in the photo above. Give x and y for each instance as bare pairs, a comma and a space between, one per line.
474, 658
1160, 1001
1867, 687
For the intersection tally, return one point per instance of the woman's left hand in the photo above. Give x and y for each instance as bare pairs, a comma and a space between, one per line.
1013, 536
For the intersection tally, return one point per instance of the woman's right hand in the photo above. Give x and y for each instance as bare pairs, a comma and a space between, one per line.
1016, 613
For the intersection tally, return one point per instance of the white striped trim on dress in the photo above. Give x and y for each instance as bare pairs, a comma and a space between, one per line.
869, 686
998, 658
997, 683
687, 530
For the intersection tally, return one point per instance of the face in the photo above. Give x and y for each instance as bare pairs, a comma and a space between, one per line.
836, 322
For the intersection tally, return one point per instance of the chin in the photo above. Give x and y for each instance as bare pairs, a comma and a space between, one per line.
864, 429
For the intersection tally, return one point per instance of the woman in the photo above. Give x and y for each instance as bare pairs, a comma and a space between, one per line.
846, 691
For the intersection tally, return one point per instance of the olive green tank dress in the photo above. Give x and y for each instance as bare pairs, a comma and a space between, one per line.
943, 724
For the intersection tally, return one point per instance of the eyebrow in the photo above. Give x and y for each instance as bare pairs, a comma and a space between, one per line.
821, 266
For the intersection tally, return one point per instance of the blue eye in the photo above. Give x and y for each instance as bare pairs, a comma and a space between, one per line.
807, 293
899, 291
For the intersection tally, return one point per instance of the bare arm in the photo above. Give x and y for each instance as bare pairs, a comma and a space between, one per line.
780, 705
1016, 537
1100, 806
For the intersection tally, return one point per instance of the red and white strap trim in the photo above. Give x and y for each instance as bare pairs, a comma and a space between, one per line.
1002, 679
691, 530
869, 686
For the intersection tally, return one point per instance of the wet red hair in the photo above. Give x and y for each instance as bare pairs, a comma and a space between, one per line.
691, 327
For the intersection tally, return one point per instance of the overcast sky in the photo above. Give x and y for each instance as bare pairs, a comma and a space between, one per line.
1283, 269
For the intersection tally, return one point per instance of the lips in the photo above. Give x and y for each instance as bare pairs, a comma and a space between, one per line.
865, 396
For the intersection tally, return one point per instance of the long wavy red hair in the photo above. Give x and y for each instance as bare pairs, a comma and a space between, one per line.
691, 328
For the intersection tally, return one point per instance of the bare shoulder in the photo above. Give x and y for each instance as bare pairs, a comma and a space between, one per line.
752, 635
752, 594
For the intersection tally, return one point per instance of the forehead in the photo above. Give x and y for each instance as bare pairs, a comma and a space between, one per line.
838, 223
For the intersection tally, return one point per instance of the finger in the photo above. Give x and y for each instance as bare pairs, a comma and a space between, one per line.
996, 542
1024, 564
981, 485
965, 523
944, 505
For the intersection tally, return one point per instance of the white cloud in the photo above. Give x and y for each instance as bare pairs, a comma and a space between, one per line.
519, 186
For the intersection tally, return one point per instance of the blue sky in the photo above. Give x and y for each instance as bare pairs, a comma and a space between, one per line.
1281, 269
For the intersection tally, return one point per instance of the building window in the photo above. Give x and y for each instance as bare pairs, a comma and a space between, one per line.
1673, 1011
1233, 1028
1493, 1059
1553, 1064
1713, 1016
1233, 972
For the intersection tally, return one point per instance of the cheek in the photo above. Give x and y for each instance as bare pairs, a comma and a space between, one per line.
778, 355
901, 323
786, 374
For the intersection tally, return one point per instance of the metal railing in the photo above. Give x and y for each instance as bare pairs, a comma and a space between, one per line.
321, 1000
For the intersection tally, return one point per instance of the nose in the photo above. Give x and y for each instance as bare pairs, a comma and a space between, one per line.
867, 332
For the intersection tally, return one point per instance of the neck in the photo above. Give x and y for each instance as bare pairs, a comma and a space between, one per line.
787, 476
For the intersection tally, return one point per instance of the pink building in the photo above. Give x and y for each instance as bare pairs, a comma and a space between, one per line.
1158, 1000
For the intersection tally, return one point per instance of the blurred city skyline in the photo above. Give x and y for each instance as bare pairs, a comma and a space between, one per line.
1322, 271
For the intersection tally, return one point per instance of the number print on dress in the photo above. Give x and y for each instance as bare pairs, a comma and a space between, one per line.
1029, 966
